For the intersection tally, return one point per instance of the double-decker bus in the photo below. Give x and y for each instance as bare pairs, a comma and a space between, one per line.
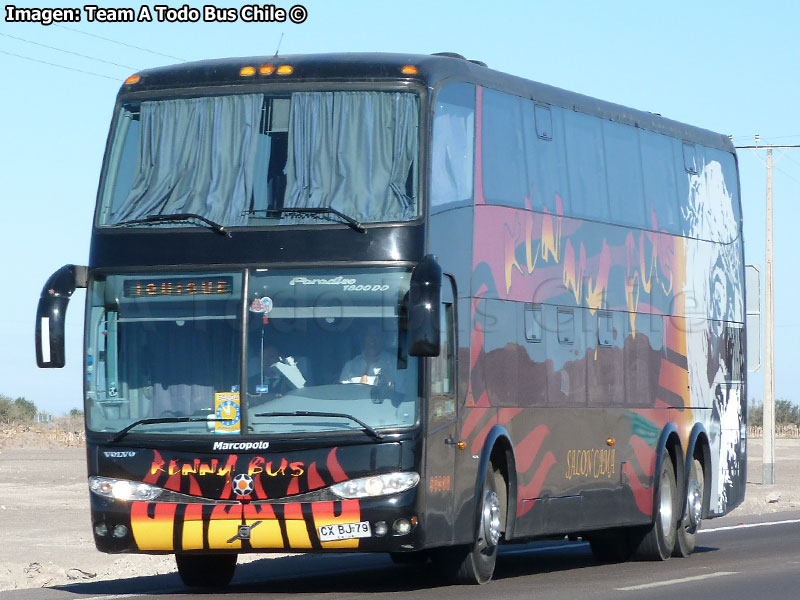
404, 304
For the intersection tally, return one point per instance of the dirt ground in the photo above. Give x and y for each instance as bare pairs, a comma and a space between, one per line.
45, 535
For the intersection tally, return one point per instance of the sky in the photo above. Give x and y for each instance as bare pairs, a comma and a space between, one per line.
730, 67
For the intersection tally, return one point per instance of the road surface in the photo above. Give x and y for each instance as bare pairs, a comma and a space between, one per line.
745, 557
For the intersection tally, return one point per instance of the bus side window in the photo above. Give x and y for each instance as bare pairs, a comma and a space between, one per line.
605, 329
690, 158
505, 177
544, 122
545, 155
533, 322
443, 366
443, 372
566, 326
624, 175
588, 190
453, 150
660, 181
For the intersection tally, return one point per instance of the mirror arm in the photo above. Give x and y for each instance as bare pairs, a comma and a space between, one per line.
51, 313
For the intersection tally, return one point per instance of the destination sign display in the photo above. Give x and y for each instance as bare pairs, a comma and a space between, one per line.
178, 286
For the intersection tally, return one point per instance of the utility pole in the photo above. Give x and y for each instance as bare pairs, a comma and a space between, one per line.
768, 462
768, 456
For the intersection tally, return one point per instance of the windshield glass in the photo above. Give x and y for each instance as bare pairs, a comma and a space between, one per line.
331, 343
165, 345
245, 160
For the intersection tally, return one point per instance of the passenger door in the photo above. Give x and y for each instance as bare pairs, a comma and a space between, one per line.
441, 420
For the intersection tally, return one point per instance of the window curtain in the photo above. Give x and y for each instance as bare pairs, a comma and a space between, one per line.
352, 151
195, 155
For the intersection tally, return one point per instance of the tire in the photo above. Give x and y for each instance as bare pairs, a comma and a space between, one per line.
206, 570
611, 545
657, 541
474, 564
686, 535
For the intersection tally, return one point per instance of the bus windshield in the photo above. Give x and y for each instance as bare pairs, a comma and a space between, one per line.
325, 352
247, 159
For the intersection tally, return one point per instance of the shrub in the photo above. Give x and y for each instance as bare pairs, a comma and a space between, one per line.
16, 411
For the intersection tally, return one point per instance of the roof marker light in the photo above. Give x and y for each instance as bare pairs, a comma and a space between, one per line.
266, 69
247, 71
132, 79
409, 70
285, 70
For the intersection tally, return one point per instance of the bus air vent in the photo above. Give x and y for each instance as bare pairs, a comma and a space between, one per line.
450, 55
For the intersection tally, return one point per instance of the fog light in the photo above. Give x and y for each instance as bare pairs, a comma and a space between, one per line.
120, 531
100, 530
380, 529
401, 527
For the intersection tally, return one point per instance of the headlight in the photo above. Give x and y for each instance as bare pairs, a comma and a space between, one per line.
378, 485
122, 489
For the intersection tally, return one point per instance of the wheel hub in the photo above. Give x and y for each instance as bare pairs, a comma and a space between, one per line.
694, 504
665, 507
491, 519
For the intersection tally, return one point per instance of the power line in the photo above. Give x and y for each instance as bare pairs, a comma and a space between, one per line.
108, 62
777, 168
44, 62
100, 37
764, 137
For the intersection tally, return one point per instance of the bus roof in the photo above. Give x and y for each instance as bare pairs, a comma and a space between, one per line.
431, 70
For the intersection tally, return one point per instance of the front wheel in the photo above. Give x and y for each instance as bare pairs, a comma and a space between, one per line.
206, 570
475, 564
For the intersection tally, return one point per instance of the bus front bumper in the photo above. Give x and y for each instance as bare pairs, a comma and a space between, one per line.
388, 524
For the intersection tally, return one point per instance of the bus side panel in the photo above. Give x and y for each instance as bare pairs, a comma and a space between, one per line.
622, 332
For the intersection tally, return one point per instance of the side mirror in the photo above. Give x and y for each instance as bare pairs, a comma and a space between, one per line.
52, 311
424, 308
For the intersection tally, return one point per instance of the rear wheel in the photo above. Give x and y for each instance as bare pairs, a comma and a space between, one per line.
686, 536
658, 540
206, 570
475, 564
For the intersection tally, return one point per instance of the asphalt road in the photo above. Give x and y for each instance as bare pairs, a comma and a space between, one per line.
758, 557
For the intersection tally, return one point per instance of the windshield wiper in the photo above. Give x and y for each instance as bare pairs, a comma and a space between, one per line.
213, 225
311, 211
158, 420
314, 413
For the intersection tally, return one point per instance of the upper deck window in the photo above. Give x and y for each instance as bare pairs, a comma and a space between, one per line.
246, 159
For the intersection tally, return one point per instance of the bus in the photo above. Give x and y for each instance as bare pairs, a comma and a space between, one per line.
404, 304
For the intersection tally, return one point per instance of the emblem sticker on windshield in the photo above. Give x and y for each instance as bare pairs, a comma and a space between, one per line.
261, 305
227, 411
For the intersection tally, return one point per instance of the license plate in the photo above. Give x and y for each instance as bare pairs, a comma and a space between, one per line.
344, 531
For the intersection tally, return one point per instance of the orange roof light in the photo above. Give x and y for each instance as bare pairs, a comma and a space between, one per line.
247, 71
409, 70
266, 69
285, 70
132, 79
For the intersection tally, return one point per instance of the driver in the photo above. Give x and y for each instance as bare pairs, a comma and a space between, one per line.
373, 361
